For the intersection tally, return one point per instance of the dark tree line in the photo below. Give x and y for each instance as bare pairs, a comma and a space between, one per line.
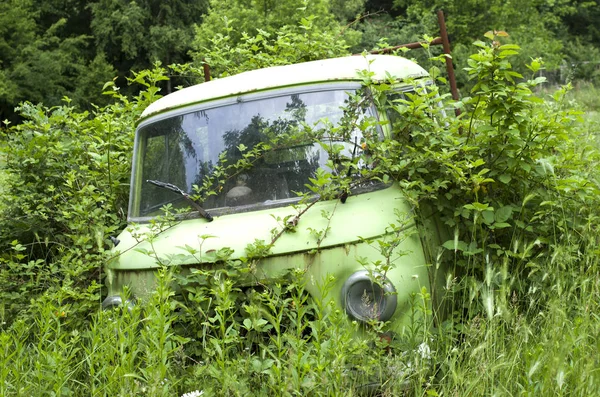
50, 49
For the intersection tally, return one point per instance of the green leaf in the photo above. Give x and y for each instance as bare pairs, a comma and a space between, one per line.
505, 178
504, 54
108, 84
455, 245
488, 217
503, 213
509, 47
473, 249
478, 206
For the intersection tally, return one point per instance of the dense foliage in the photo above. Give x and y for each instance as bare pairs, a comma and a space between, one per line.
65, 192
515, 178
52, 49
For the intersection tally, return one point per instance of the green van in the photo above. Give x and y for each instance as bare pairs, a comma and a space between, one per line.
181, 140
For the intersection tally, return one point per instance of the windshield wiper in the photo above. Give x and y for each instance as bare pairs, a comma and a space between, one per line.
173, 188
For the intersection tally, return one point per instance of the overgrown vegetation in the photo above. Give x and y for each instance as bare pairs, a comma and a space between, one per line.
515, 177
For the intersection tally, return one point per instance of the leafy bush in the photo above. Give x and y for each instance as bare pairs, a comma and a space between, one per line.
286, 46
500, 171
516, 177
67, 178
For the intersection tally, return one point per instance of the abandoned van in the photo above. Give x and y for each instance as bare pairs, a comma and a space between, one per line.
238, 159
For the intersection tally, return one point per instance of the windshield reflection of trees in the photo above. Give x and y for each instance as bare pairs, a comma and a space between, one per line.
279, 172
184, 150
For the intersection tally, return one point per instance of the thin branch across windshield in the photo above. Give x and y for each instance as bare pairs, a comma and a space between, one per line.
183, 150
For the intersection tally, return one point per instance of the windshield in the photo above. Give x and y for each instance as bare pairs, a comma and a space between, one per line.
185, 149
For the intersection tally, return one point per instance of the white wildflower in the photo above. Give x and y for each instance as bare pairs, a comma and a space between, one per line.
195, 393
424, 351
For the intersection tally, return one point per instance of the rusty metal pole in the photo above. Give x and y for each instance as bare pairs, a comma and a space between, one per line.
449, 66
206, 68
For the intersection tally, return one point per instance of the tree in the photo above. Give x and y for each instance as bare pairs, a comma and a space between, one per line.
135, 34
286, 46
556, 30
235, 18
17, 30
42, 64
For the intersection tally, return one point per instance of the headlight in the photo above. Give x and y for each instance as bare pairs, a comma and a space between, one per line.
115, 301
368, 300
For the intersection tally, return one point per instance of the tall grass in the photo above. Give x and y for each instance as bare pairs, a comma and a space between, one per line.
585, 97
143, 351
541, 341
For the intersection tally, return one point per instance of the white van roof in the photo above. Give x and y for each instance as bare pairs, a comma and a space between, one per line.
326, 70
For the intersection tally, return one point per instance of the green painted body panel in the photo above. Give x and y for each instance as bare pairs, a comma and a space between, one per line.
365, 215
